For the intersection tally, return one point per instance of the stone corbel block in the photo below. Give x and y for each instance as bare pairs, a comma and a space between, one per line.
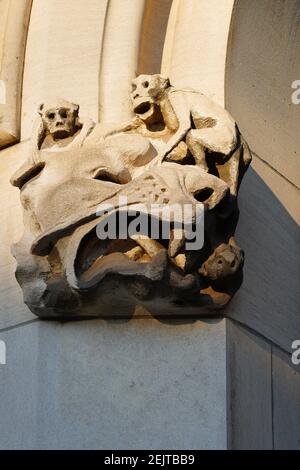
141, 214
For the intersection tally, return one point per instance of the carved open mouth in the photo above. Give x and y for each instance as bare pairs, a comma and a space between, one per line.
61, 133
142, 108
137, 256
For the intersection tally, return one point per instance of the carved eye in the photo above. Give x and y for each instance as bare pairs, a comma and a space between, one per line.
203, 194
145, 84
51, 116
133, 87
63, 113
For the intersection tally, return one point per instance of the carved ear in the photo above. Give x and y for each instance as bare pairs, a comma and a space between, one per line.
40, 109
165, 82
75, 109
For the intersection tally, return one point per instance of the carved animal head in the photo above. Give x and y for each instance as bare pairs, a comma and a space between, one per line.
67, 269
146, 91
225, 261
59, 118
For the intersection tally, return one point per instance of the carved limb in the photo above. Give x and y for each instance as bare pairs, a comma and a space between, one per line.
233, 170
196, 149
27, 171
177, 118
126, 127
86, 128
38, 136
33, 164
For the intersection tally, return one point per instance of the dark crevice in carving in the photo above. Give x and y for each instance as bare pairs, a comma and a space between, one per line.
203, 194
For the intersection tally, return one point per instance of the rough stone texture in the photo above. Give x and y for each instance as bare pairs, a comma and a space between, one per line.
180, 150
259, 75
114, 385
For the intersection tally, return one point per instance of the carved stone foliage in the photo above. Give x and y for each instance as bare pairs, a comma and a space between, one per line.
180, 150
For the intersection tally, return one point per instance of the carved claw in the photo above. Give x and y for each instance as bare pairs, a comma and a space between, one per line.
177, 240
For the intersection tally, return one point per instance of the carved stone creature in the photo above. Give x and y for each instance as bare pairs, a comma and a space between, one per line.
59, 121
178, 122
185, 113
180, 148
226, 261
57, 128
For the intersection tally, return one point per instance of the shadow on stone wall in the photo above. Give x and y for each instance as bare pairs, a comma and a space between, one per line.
268, 300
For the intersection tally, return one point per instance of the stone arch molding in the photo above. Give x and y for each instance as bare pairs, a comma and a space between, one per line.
83, 182
14, 20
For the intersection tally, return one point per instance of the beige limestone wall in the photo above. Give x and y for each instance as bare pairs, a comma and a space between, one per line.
153, 35
263, 59
63, 56
14, 17
134, 36
119, 60
195, 48
88, 54
113, 40
262, 63
87, 51
13, 311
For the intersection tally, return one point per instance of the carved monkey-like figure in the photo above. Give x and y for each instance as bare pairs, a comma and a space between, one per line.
59, 126
178, 120
57, 129
188, 114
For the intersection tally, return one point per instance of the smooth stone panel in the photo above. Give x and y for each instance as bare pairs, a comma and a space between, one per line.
153, 35
283, 190
194, 54
63, 56
262, 63
268, 300
14, 20
12, 308
249, 376
286, 396
119, 58
114, 385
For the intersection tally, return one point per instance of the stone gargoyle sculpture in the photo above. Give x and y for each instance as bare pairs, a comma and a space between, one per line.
180, 150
